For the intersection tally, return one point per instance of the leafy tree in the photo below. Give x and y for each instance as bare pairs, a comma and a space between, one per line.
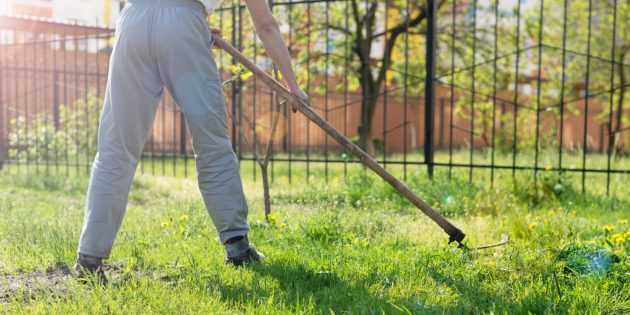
374, 43
608, 55
350, 45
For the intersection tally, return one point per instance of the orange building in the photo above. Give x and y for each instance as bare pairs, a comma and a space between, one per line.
33, 8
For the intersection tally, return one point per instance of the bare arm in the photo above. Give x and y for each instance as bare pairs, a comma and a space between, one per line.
269, 33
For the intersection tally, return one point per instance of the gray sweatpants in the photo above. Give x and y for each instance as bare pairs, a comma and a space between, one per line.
161, 43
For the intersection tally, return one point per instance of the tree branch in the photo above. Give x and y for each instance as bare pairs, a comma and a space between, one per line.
337, 28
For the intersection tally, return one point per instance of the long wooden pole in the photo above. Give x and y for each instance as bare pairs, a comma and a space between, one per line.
455, 234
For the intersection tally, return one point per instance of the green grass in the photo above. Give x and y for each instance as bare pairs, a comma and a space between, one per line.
346, 246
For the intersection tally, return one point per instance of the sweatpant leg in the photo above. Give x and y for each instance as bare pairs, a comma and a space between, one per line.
133, 92
189, 72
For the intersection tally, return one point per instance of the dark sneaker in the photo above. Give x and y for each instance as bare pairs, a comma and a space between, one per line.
87, 267
240, 252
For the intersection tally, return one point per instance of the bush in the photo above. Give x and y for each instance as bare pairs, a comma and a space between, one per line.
37, 139
526, 138
549, 186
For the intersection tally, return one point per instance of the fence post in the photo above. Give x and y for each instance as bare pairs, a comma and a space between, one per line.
429, 86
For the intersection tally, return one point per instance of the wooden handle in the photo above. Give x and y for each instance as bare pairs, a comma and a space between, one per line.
455, 234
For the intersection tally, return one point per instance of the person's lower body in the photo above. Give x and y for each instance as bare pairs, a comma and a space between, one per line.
164, 43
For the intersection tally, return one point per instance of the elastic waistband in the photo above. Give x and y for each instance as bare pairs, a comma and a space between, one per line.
193, 4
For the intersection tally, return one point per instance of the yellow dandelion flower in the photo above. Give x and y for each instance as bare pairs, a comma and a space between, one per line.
184, 218
165, 224
608, 228
618, 239
622, 221
532, 225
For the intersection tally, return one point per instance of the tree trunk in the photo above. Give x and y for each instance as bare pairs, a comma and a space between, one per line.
368, 105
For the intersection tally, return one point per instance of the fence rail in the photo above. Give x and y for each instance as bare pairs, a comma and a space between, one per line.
535, 86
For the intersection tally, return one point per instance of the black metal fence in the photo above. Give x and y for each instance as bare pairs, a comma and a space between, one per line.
511, 86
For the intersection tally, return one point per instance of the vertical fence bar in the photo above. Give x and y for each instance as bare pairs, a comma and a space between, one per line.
36, 108
494, 88
9, 101
254, 104
3, 106
289, 121
21, 107
97, 54
516, 86
611, 133
272, 99
385, 87
163, 145
15, 89
183, 141
308, 88
440, 143
272, 111
36, 102
405, 88
27, 83
65, 100
538, 89
77, 97
55, 104
152, 147
46, 75
326, 77
563, 82
86, 91
586, 95
239, 82
452, 89
19, 103
473, 92
429, 85
234, 83
173, 147
346, 68
99, 94
45, 72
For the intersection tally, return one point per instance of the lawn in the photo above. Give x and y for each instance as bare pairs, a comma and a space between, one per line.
339, 246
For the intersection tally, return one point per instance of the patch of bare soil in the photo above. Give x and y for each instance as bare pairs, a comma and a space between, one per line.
26, 286
55, 282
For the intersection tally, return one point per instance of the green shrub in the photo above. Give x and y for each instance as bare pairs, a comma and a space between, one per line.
547, 187
526, 139
37, 139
